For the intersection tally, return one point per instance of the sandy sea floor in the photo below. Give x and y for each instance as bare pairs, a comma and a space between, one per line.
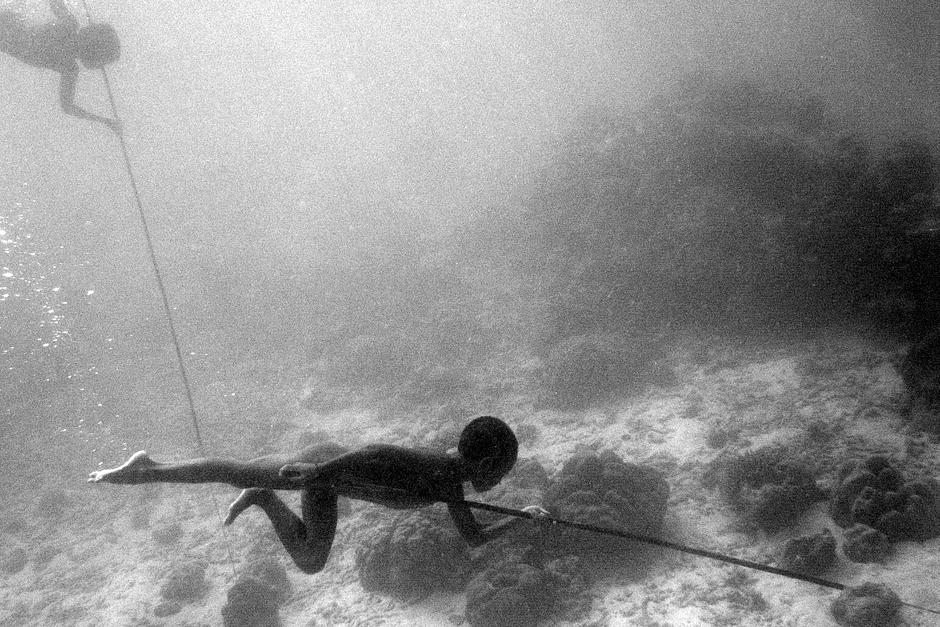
95, 560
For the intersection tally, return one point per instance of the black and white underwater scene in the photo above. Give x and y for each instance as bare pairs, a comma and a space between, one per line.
470, 313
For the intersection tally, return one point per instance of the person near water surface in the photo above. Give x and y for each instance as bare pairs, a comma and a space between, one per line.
59, 45
394, 476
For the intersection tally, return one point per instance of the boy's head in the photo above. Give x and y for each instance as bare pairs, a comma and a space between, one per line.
489, 449
98, 46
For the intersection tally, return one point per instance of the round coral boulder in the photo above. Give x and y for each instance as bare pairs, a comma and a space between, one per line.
413, 555
812, 554
185, 582
863, 544
606, 491
270, 571
874, 493
251, 603
510, 593
867, 605
13, 560
768, 487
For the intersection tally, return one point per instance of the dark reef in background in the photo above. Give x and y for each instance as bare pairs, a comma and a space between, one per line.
730, 205
920, 371
724, 205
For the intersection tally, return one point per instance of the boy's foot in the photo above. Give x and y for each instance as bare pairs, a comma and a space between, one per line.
128, 472
246, 499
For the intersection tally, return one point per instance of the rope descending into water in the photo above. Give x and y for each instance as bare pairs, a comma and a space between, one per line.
153, 262
645, 539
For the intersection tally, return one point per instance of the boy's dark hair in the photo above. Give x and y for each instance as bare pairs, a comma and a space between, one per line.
489, 438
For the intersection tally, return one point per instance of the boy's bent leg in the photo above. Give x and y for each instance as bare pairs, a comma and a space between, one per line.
308, 540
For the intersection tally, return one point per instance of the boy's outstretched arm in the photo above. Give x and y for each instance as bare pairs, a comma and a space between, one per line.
67, 101
476, 534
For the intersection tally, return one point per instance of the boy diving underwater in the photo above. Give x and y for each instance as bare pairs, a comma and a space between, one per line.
394, 476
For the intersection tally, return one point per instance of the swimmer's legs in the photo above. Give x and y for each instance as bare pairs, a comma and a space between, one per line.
257, 473
307, 540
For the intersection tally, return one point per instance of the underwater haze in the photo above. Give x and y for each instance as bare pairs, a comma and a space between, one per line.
672, 235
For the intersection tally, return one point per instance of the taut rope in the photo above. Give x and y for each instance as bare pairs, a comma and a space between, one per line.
187, 386
675, 546
153, 262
